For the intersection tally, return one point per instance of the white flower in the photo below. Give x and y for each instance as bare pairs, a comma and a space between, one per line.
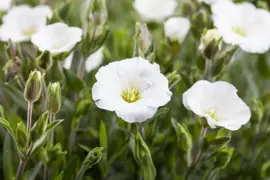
57, 38
213, 1
155, 10
21, 22
244, 25
133, 88
176, 28
5, 5
92, 62
219, 103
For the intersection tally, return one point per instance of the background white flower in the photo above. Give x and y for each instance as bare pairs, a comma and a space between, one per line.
244, 25
218, 102
21, 22
176, 28
57, 38
133, 88
213, 1
5, 5
155, 10
92, 62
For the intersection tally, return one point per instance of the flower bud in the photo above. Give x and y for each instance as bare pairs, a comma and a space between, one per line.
45, 60
93, 157
33, 86
53, 99
98, 12
210, 43
144, 38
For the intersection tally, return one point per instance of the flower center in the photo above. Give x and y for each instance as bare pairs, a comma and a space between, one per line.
30, 32
240, 31
131, 94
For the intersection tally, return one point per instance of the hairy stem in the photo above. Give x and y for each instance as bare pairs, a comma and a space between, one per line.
20, 170
29, 115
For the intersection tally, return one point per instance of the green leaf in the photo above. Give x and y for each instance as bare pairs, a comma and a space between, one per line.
184, 138
39, 143
216, 143
73, 82
5, 124
21, 135
93, 157
161, 111
265, 169
103, 142
223, 157
224, 132
8, 154
60, 176
34, 172
40, 126
53, 125
149, 170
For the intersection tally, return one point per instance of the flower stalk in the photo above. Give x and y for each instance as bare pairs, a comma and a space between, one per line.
20, 170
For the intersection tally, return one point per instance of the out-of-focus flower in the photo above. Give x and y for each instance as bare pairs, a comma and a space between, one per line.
21, 22
57, 38
210, 42
5, 5
92, 62
219, 103
176, 28
133, 88
155, 10
213, 1
243, 24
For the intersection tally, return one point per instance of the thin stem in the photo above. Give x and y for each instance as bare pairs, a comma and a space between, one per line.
29, 115
140, 129
81, 173
52, 119
81, 68
20, 170
45, 172
197, 158
207, 71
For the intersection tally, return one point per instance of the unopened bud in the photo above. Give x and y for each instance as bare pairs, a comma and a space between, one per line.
210, 43
45, 60
33, 86
145, 38
93, 157
53, 99
98, 12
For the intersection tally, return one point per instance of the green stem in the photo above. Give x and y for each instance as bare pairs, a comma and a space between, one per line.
81, 173
20, 170
140, 129
29, 115
197, 158
207, 71
52, 119
81, 68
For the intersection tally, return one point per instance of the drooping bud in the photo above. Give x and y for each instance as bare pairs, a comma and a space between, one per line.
210, 43
33, 86
53, 99
45, 60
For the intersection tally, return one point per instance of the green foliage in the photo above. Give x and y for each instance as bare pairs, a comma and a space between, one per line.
90, 143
